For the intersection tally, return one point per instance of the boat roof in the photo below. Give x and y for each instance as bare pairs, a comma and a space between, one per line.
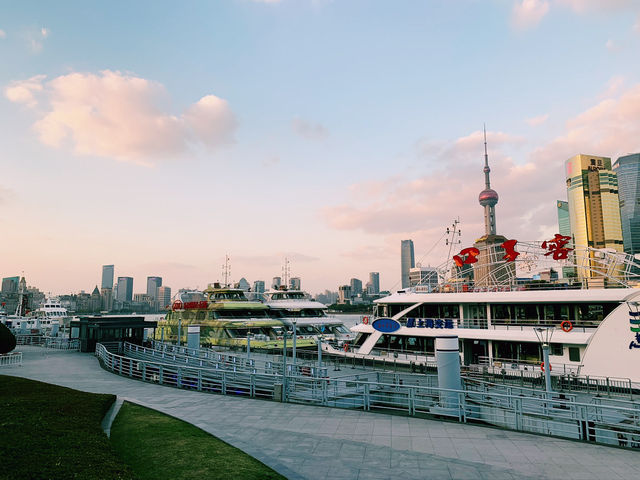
528, 296
295, 304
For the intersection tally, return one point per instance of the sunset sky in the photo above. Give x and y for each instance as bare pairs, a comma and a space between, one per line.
160, 136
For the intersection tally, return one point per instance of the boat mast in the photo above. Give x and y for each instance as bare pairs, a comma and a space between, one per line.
226, 270
286, 272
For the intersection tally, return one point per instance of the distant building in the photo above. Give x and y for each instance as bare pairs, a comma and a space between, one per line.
243, 284
258, 286
344, 294
295, 283
107, 276
374, 281
424, 276
163, 297
10, 284
106, 295
276, 283
153, 283
125, 289
328, 297
407, 261
628, 170
594, 206
96, 300
564, 229
356, 287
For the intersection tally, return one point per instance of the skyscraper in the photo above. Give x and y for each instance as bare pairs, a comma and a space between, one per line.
407, 261
153, 283
374, 280
10, 284
163, 297
125, 289
564, 229
258, 286
628, 171
107, 276
594, 207
356, 286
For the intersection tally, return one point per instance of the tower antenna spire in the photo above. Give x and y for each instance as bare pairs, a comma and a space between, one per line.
488, 198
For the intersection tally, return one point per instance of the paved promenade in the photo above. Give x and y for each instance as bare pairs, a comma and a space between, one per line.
309, 442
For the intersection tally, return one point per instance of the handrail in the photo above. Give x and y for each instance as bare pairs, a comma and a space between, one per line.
544, 413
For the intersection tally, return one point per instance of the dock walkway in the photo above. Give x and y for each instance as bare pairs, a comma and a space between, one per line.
308, 442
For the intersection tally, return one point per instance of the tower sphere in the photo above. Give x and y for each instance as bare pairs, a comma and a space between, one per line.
488, 197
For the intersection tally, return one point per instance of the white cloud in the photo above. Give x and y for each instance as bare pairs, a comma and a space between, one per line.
25, 91
311, 131
36, 38
611, 45
3, 34
583, 6
527, 14
117, 115
538, 120
636, 26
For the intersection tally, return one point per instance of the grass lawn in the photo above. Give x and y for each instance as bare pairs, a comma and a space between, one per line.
158, 446
52, 432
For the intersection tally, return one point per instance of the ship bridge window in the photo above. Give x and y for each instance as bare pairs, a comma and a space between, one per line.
360, 339
589, 312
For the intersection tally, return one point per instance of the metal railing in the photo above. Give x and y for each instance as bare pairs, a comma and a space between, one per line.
10, 359
220, 359
549, 414
53, 343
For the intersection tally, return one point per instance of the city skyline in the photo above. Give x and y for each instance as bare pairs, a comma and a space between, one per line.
154, 148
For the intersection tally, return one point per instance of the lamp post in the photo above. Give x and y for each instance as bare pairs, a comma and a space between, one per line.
544, 335
179, 328
284, 366
249, 348
295, 334
319, 353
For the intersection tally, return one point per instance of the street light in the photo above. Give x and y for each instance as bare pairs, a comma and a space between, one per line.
295, 334
544, 335
249, 348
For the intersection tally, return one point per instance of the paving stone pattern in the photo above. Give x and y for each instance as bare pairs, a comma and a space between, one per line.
308, 442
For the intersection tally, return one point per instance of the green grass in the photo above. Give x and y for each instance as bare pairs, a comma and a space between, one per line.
159, 446
52, 432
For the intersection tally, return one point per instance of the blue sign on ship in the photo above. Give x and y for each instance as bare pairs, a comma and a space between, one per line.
386, 325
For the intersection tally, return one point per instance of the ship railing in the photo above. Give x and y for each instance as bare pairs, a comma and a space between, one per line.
11, 359
547, 413
35, 339
61, 343
512, 366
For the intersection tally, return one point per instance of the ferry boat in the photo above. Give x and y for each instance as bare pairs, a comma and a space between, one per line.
226, 318
309, 316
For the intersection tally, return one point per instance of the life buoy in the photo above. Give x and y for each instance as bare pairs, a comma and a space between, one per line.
345, 347
365, 320
542, 367
566, 326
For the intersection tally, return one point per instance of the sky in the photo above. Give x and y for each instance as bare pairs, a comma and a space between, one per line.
161, 136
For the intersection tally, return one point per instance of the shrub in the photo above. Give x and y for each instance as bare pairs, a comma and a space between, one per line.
7, 339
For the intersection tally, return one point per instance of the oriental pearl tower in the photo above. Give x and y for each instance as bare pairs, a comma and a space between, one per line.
488, 198
490, 269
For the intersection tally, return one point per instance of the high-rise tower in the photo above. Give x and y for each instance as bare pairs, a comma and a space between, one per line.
594, 208
488, 198
490, 269
628, 170
407, 261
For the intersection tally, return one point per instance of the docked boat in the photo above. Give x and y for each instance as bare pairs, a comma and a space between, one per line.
309, 316
226, 318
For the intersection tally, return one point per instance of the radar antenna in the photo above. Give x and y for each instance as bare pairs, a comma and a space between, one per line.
226, 270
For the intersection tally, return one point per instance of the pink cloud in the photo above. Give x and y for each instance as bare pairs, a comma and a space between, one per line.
527, 14
538, 120
421, 207
118, 115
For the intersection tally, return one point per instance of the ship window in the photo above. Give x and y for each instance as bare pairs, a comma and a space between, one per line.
574, 354
556, 349
501, 312
529, 352
362, 337
200, 315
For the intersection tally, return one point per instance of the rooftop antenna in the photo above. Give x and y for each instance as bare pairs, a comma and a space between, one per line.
226, 270
286, 272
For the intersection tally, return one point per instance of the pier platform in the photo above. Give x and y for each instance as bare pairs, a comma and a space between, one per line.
309, 442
